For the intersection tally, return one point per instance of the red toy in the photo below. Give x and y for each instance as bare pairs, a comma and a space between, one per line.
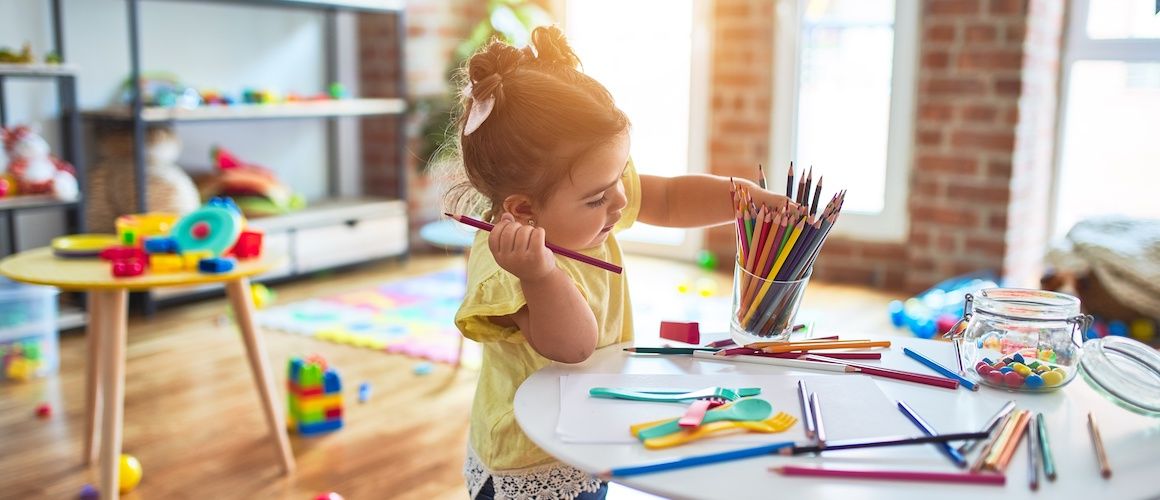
689, 333
44, 410
128, 267
249, 245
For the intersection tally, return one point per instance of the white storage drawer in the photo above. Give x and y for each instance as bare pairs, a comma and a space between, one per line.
348, 242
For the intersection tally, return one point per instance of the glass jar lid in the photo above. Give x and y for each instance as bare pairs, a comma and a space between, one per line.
1026, 304
1125, 371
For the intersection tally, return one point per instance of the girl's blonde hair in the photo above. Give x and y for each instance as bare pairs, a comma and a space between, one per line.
547, 114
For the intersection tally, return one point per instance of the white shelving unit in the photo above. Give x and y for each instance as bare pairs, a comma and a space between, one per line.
343, 228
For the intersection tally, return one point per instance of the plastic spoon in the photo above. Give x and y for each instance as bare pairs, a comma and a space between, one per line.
742, 409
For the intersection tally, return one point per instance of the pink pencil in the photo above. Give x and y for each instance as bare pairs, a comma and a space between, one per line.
478, 224
917, 378
797, 355
939, 477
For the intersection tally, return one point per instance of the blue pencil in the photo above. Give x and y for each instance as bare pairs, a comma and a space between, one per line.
683, 462
942, 370
946, 448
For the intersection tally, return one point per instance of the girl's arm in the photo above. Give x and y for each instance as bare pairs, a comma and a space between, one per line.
557, 322
694, 200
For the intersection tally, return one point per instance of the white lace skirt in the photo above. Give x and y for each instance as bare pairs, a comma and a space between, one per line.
554, 480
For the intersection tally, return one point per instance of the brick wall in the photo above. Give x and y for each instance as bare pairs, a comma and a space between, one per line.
983, 140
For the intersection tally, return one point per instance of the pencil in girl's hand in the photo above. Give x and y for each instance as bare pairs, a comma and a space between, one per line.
485, 226
1098, 444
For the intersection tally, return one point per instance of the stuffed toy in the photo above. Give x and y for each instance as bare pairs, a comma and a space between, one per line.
255, 189
34, 169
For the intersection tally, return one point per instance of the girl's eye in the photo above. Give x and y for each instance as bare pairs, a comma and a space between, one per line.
598, 203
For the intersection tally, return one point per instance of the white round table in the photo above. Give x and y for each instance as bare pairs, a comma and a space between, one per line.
1132, 441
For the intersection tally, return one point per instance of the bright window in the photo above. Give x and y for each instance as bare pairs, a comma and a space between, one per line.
1109, 158
655, 71
843, 101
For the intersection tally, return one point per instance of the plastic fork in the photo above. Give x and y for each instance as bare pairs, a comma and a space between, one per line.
696, 412
779, 422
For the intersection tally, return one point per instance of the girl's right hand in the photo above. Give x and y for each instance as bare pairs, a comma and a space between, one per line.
520, 249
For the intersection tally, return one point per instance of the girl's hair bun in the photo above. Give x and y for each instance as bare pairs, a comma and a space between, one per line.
487, 68
552, 47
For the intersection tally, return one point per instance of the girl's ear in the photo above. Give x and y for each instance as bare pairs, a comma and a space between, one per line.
520, 206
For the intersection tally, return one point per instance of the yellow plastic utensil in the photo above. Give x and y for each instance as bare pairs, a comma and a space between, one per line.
777, 423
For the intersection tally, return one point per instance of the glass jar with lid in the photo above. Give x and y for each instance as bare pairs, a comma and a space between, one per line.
1021, 339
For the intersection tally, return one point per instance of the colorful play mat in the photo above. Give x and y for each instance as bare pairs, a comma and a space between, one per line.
413, 317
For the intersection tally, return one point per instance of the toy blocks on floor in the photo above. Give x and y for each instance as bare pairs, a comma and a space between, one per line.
687, 332
314, 395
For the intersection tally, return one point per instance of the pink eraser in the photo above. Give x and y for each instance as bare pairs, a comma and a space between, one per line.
687, 332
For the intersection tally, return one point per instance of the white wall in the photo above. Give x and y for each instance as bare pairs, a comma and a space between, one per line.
224, 47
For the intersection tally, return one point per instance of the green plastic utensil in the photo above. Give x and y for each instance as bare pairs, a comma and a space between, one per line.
661, 396
748, 409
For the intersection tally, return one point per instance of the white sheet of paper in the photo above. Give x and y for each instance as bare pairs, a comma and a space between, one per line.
852, 406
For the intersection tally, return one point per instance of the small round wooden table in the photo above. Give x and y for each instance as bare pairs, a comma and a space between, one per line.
106, 334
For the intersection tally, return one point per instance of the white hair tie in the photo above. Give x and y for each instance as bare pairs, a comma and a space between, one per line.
479, 111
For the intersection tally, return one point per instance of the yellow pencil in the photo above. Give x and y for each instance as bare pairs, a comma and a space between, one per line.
1000, 444
825, 345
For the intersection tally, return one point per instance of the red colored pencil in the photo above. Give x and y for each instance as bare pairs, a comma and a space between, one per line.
556, 249
940, 477
894, 374
797, 355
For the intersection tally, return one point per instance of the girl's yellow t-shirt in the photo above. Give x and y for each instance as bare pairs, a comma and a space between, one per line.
508, 359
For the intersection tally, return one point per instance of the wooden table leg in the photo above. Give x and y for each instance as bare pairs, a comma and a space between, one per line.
243, 303
92, 380
114, 318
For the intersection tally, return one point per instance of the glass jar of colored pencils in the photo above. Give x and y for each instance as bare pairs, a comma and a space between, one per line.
764, 308
1020, 339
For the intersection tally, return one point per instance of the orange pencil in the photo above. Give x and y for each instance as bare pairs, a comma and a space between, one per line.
835, 340
825, 345
1013, 441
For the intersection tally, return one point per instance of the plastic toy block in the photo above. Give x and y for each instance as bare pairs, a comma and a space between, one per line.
333, 413
311, 416
319, 428
294, 368
332, 383
305, 391
191, 259
127, 236
160, 245
216, 265
319, 403
689, 333
122, 253
128, 267
249, 245
166, 263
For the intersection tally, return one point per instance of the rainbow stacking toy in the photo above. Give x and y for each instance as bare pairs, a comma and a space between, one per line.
315, 397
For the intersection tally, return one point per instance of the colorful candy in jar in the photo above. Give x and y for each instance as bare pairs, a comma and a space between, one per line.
1017, 371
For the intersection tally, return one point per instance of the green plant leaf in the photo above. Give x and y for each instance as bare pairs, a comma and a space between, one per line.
505, 21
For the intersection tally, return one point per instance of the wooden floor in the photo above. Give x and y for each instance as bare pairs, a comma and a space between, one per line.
193, 418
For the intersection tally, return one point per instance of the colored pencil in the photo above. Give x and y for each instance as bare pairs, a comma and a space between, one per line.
958, 356
832, 338
879, 442
821, 346
807, 414
1032, 453
721, 343
744, 351
789, 182
978, 464
1045, 448
936, 477
917, 378
926, 428
760, 176
1098, 444
989, 426
809, 183
940, 369
695, 460
817, 197
788, 363
999, 459
819, 422
670, 350
995, 447
478, 224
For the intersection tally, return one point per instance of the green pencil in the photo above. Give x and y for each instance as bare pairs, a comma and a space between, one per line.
1045, 449
669, 350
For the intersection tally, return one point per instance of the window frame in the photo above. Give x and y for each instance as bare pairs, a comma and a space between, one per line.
892, 224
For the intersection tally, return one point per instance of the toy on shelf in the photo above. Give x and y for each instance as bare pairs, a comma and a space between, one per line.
8, 55
168, 188
159, 88
314, 395
936, 310
210, 239
254, 188
33, 169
